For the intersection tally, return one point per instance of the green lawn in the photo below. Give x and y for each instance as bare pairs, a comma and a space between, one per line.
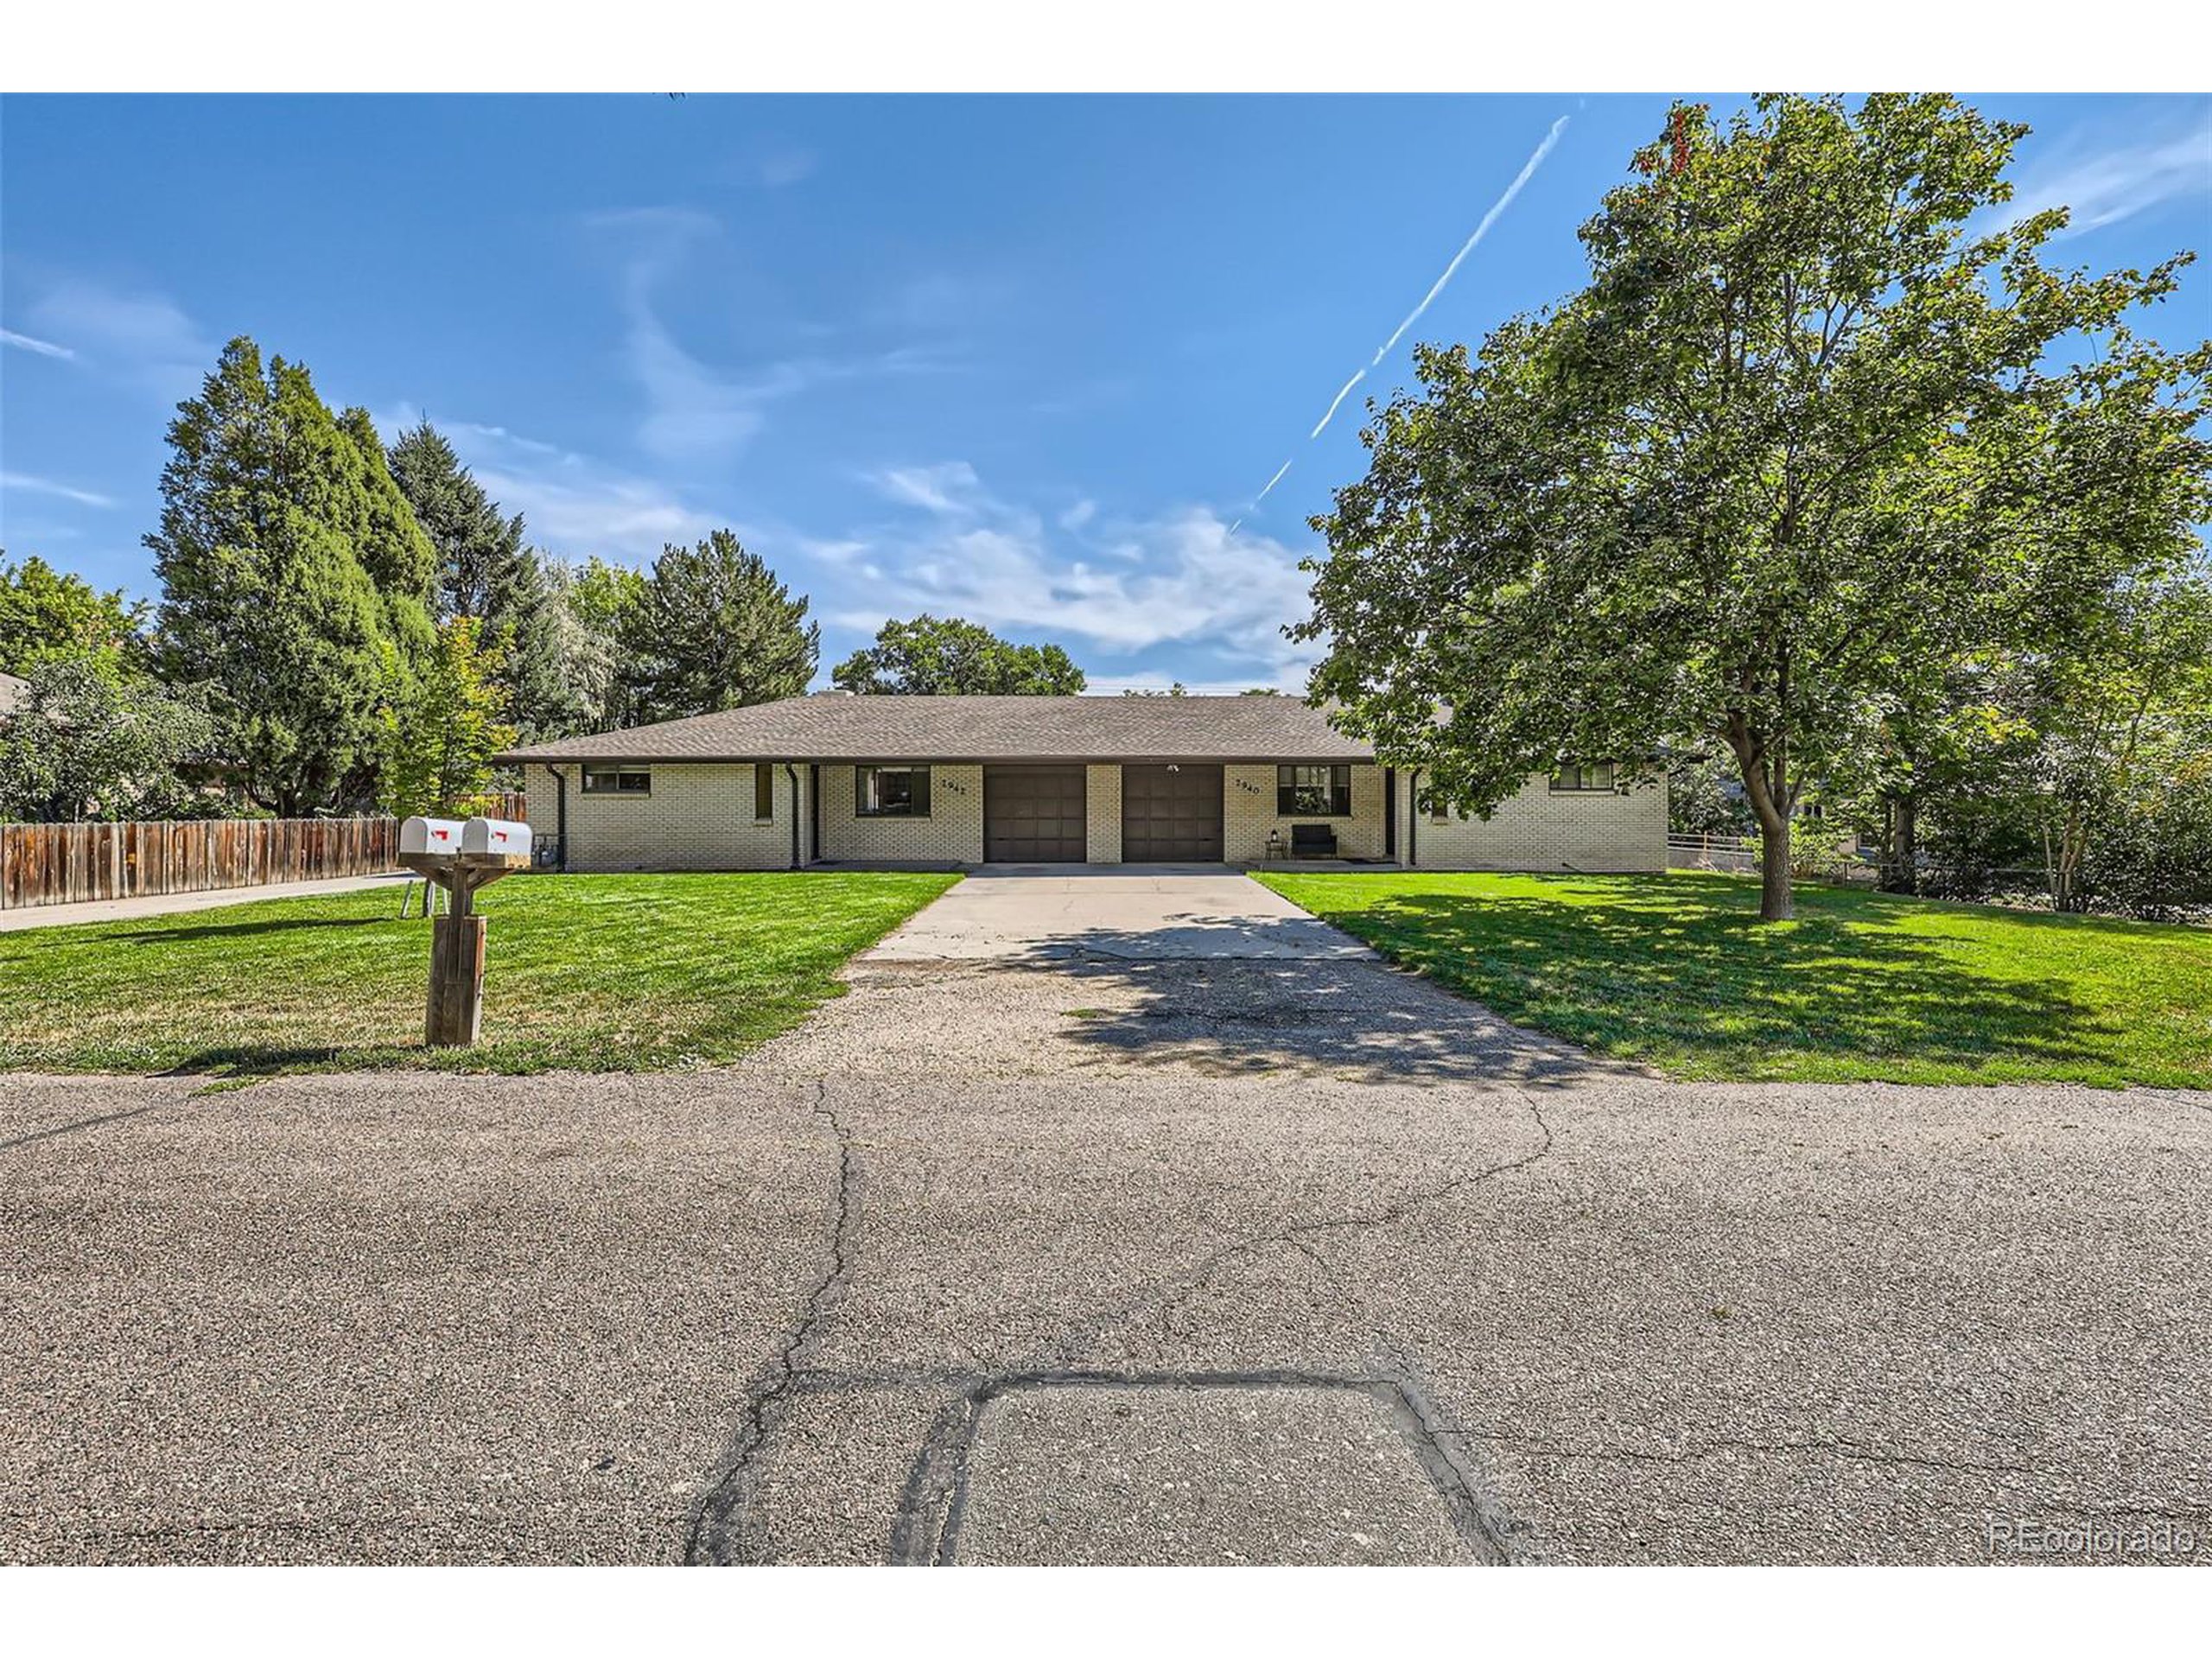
600, 973
1671, 970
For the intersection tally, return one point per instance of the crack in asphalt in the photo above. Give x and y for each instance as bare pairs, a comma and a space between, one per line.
1404, 1208
715, 1537
1846, 1449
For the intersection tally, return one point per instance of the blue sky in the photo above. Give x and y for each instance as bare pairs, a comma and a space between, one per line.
1026, 361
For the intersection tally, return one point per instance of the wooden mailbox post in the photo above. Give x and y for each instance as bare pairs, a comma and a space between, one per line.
460, 858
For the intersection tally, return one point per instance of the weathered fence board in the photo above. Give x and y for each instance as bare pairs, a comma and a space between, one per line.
73, 863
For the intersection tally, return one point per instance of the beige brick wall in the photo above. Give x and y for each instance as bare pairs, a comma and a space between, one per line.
1541, 829
699, 817
1101, 809
953, 832
1249, 813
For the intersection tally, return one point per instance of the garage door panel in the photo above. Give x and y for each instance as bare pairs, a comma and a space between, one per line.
1034, 814
1171, 815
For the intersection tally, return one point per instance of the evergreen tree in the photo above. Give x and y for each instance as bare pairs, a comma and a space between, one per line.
713, 629
485, 571
294, 581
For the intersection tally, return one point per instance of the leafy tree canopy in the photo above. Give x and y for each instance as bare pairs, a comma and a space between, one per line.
948, 656
88, 743
1807, 436
438, 745
46, 614
711, 628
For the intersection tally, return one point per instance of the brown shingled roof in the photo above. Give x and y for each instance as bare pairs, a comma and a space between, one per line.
830, 725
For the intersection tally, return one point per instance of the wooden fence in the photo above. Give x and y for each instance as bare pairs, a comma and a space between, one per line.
72, 863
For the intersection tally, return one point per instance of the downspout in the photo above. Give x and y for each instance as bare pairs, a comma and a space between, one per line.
1413, 820
561, 815
791, 772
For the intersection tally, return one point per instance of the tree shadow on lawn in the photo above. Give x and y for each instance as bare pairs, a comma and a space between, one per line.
239, 930
1697, 984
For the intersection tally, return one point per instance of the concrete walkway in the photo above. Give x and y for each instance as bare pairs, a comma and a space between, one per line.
173, 904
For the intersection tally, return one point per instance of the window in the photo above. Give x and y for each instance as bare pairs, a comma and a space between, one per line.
890, 791
1313, 792
1596, 778
618, 780
1440, 810
764, 790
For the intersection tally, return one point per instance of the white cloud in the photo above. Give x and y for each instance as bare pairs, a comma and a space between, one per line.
29, 343
144, 339
1175, 578
2104, 182
950, 487
572, 505
693, 408
785, 167
30, 486
1079, 515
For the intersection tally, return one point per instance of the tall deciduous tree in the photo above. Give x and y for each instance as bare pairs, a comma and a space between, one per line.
296, 583
950, 657
438, 745
711, 628
486, 571
1790, 452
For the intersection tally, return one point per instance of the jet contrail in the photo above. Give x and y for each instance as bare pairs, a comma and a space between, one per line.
1528, 171
1342, 393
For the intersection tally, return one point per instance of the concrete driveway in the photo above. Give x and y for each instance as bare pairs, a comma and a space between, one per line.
1154, 913
1049, 1253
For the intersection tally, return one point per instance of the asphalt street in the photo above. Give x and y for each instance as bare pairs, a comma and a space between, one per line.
1213, 1247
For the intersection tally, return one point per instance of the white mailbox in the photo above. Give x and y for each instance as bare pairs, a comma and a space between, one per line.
500, 835
430, 836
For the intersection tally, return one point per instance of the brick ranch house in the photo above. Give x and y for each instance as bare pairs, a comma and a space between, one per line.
835, 779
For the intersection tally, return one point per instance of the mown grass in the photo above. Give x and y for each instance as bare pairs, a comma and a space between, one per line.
597, 973
1672, 970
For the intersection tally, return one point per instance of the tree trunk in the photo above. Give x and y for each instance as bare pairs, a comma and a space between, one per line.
1769, 799
1901, 873
1776, 902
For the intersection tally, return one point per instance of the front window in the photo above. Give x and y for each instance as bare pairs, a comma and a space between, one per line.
618, 780
1596, 776
1313, 792
891, 791
764, 790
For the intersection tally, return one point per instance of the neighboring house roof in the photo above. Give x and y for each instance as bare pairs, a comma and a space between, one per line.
14, 693
831, 726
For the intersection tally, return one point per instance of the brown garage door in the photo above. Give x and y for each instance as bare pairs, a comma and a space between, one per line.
1171, 814
1034, 815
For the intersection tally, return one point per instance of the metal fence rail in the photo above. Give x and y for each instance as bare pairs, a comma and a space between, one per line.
1734, 852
